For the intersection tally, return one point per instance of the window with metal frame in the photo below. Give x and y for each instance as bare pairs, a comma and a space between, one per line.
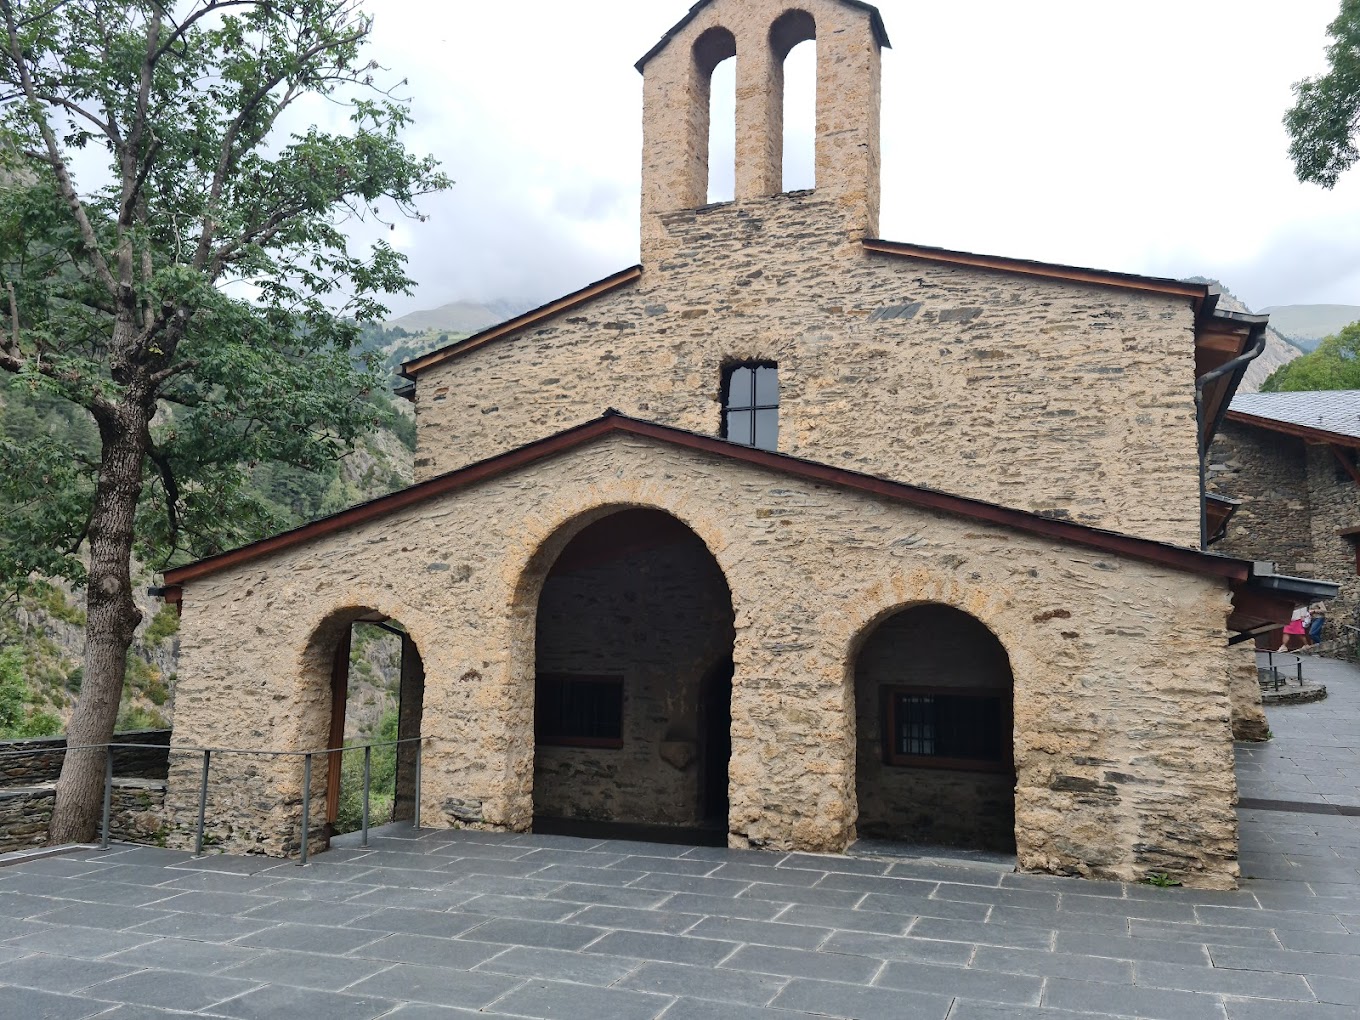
751, 405
579, 711
947, 728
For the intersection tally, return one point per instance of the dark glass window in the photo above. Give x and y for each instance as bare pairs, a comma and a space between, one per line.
579, 711
944, 728
751, 405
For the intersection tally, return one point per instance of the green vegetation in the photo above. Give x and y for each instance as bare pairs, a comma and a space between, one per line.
1323, 121
19, 719
164, 625
1335, 365
382, 780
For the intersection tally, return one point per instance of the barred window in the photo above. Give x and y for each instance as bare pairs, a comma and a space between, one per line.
751, 405
579, 711
946, 728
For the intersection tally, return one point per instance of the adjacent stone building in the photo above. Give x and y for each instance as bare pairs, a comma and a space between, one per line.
786, 536
1288, 463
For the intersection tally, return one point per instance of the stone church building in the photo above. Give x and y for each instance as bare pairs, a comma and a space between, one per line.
785, 537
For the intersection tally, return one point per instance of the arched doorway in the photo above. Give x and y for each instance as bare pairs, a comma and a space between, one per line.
377, 692
633, 677
933, 711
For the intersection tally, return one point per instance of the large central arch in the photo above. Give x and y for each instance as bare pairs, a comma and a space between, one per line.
633, 631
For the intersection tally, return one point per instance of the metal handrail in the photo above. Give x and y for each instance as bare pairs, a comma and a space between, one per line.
208, 752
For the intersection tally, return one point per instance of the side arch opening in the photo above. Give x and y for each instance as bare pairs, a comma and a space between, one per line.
715, 55
633, 642
934, 694
373, 677
793, 42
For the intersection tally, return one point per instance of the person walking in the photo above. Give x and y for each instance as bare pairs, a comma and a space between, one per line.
1296, 631
1316, 622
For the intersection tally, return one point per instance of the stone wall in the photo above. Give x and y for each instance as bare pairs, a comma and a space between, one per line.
1334, 498
1268, 473
137, 813
28, 775
1064, 399
659, 619
929, 646
1122, 735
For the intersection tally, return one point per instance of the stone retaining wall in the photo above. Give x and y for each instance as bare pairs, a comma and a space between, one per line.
136, 817
28, 787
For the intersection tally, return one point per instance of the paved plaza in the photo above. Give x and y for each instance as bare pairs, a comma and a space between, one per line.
446, 925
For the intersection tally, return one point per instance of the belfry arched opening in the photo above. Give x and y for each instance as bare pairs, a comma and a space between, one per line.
633, 680
933, 712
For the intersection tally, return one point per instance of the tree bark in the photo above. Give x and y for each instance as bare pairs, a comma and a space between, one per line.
112, 619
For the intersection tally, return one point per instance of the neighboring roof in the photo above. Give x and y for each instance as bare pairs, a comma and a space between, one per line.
612, 422
522, 322
876, 18
1324, 416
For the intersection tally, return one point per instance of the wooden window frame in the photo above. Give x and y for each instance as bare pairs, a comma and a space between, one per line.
888, 695
545, 739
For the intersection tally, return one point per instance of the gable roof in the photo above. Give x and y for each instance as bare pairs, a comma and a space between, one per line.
614, 423
1323, 416
875, 17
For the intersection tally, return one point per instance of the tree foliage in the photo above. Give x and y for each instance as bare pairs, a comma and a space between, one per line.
1335, 365
175, 262
1326, 114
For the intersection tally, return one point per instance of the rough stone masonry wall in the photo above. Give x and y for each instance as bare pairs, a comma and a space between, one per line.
1122, 741
1334, 498
660, 620
1268, 473
28, 775
926, 647
1070, 400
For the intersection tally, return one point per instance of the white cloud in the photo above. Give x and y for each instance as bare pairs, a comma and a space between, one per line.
1143, 138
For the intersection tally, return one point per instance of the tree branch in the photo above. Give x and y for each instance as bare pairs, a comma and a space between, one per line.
63, 176
167, 473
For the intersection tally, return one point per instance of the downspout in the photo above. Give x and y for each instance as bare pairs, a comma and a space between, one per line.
1201, 438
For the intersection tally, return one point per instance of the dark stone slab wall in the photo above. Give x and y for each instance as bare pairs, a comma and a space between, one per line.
31, 762
1268, 473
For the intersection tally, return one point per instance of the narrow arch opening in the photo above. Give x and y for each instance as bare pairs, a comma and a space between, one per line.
934, 734
633, 680
793, 39
715, 55
377, 690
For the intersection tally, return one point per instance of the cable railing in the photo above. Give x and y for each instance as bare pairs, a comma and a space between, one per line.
308, 757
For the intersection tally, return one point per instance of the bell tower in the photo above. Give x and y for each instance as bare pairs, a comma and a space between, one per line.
677, 76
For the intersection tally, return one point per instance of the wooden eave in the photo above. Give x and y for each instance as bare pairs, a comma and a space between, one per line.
522, 322
875, 16
613, 423
1304, 432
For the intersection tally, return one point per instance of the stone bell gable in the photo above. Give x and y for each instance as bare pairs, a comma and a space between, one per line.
760, 34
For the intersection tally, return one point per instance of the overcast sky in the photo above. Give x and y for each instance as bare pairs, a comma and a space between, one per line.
1142, 137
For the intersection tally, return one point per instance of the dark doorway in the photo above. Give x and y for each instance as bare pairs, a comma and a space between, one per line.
933, 712
715, 741
632, 719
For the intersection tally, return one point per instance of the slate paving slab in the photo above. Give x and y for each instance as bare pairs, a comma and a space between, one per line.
442, 925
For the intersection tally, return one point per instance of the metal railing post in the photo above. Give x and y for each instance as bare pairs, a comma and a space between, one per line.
306, 807
108, 797
202, 804
415, 809
368, 775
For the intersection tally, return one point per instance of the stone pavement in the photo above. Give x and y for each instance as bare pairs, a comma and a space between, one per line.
447, 925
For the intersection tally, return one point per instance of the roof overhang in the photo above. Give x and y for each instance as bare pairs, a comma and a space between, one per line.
1218, 511
875, 18
1288, 428
1267, 600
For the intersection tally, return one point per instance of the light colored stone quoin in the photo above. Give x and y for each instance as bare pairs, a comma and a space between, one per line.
1043, 396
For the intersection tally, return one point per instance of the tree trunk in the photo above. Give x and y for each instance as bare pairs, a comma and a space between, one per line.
112, 619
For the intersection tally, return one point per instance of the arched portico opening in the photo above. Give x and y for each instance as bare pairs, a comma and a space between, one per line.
632, 683
375, 678
934, 746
